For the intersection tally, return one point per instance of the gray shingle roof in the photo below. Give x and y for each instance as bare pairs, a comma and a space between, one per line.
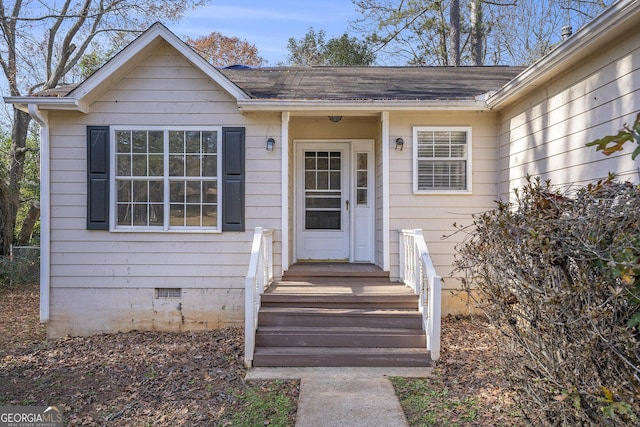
360, 83
371, 83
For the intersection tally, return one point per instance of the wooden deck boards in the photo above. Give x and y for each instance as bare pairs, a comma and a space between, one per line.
339, 314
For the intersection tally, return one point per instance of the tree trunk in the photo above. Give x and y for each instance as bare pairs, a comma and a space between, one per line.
477, 32
11, 198
454, 32
27, 225
6, 233
443, 36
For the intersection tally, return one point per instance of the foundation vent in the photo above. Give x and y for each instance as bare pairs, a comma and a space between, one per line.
168, 292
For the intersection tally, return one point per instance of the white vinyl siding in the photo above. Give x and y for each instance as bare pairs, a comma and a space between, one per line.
165, 178
441, 160
545, 134
436, 212
103, 281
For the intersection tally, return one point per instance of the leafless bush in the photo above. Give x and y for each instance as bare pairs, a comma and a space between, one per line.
559, 274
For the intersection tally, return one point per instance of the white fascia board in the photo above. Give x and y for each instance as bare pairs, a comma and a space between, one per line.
47, 103
621, 16
155, 32
255, 105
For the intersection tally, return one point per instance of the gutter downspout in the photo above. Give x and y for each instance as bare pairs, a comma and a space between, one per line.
45, 211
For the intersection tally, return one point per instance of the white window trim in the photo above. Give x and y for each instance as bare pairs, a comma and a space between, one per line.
469, 168
114, 228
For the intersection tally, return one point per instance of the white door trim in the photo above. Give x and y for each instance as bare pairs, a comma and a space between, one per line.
354, 146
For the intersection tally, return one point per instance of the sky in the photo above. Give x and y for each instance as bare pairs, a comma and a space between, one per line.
268, 24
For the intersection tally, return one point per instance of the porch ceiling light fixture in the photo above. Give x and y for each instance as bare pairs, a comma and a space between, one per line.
335, 119
270, 143
399, 144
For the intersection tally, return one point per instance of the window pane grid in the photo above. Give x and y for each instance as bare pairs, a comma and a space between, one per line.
140, 202
323, 198
322, 170
193, 203
167, 171
441, 162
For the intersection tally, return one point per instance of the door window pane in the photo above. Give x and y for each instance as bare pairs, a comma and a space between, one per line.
316, 220
362, 178
322, 202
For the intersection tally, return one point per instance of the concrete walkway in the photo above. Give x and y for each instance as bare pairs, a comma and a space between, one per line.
345, 397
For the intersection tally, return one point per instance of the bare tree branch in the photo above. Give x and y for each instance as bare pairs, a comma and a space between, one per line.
31, 62
52, 36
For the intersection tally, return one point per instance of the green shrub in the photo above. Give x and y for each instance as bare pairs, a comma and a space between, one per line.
559, 274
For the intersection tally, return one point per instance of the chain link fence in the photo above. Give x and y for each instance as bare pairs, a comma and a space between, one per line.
22, 266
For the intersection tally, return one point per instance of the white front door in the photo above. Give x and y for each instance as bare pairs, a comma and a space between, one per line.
323, 173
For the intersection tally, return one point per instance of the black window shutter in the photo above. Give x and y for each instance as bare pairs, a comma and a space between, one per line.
233, 179
97, 177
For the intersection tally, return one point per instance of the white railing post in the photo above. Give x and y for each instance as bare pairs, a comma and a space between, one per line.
418, 276
402, 251
259, 277
418, 272
435, 302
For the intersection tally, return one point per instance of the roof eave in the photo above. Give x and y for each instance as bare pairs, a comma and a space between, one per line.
44, 103
621, 15
278, 105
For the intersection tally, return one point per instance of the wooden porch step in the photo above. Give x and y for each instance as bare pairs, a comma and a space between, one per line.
336, 317
306, 270
340, 356
296, 336
338, 314
336, 300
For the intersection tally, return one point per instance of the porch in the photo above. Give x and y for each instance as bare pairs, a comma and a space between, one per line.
339, 314
342, 314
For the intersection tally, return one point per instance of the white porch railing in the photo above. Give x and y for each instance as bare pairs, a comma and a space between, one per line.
417, 272
259, 277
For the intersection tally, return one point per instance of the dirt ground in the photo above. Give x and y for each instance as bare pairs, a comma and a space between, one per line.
196, 379
126, 379
469, 373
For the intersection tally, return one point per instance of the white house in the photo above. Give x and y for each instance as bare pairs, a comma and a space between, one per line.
157, 169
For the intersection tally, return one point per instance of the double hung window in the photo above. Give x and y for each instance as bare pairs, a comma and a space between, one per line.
442, 160
166, 179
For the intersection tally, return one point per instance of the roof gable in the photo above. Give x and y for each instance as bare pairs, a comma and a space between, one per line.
142, 47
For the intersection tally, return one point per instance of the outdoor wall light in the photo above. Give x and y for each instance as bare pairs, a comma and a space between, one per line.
335, 119
399, 144
270, 143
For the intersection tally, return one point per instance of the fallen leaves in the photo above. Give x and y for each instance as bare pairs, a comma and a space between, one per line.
467, 387
124, 379
196, 378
